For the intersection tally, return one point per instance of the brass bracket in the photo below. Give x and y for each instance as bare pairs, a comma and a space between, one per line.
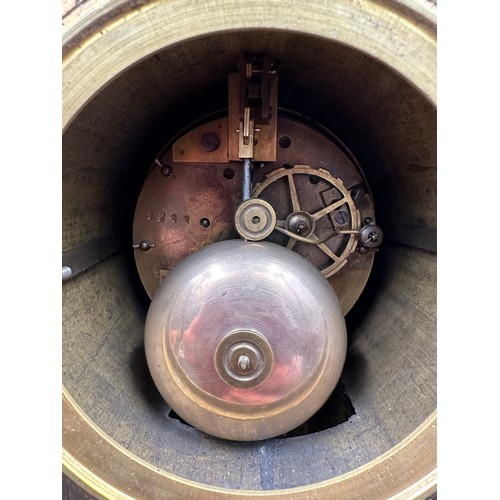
252, 113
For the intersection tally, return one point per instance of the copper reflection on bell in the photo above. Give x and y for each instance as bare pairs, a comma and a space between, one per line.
245, 341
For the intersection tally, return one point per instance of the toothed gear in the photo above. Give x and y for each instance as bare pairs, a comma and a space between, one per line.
340, 246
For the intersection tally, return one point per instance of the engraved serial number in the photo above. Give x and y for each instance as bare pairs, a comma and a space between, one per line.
161, 216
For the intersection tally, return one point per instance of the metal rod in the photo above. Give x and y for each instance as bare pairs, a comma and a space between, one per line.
84, 256
247, 179
312, 241
67, 272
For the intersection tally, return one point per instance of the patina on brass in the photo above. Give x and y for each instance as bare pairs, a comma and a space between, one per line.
337, 200
255, 219
171, 208
252, 130
259, 301
244, 358
355, 61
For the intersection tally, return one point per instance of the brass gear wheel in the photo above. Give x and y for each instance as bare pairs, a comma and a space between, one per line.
340, 205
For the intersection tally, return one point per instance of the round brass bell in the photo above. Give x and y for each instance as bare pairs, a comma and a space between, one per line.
244, 340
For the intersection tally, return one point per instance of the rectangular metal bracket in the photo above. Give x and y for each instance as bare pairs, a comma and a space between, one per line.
265, 122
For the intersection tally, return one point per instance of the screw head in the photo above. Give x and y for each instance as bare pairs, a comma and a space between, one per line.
300, 223
243, 363
205, 223
285, 142
145, 245
341, 217
209, 141
166, 170
229, 173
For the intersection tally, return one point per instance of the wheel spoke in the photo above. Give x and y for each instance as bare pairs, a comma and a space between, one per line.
328, 252
328, 209
293, 193
291, 243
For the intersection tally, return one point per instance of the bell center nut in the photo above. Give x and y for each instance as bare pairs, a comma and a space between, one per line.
245, 340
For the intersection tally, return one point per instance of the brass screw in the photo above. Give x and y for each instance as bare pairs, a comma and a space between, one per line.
209, 141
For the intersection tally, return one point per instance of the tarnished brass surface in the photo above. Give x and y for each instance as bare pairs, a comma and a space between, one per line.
182, 213
264, 148
336, 199
255, 219
104, 467
252, 299
188, 148
105, 38
140, 32
171, 207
